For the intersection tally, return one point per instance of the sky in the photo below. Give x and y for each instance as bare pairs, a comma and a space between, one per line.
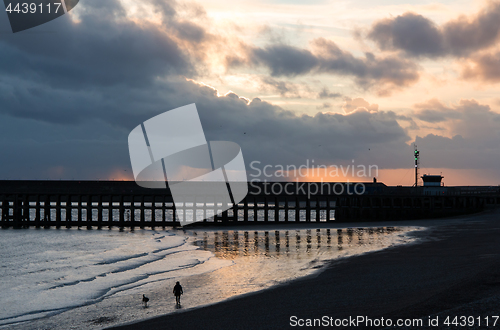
334, 83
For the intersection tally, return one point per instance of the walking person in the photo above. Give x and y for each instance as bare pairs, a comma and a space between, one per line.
177, 292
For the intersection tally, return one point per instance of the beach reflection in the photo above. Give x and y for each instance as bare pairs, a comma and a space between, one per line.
231, 244
263, 258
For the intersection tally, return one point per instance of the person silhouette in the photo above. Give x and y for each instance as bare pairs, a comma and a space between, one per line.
177, 292
145, 301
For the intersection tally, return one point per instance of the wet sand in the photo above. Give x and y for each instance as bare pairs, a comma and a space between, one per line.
454, 271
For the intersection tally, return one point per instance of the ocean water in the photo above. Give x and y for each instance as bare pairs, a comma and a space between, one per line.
45, 272
88, 279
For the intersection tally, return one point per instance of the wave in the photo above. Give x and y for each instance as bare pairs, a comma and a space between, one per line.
114, 264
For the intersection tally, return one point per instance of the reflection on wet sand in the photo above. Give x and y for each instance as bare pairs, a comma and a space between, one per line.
263, 257
231, 244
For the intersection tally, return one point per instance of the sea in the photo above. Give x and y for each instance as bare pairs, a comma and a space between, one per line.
92, 279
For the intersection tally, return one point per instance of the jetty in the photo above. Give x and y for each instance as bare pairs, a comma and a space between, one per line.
45, 204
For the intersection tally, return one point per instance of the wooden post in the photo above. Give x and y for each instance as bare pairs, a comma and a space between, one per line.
58, 211
184, 208
16, 212
99, 209
204, 210
68, 211
80, 206
318, 210
143, 218
132, 209
37, 211
245, 210
223, 215
297, 210
255, 210
26, 211
121, 218
110, 209
130, 216
3, 213
89, 212
266, 209
163, 216
153, 211
47, 212
286, 208
308, 210
328, 207
235, 212
276, 210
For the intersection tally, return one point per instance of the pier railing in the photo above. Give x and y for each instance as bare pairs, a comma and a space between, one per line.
124, 204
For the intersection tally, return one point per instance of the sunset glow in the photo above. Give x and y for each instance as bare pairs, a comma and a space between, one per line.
286, 80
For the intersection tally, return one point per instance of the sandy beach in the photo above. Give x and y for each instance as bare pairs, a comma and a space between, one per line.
453, 271
103, 286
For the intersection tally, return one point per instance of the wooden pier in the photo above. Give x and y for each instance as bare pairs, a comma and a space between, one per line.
96, 204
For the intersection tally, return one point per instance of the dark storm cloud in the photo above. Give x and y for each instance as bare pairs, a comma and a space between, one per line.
473, 127
285, 60
383, 73
457, 152
418, 36
77, 94
104, 48
69, 99
272, 135
475, 122
266, 133
105, 66
413, 33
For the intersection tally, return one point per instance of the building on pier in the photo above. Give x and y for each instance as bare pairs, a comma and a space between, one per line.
433, 185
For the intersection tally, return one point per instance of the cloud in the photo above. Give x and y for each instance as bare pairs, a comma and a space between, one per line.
472, 139
190, 31
410, 32
456, 152
284, 60
326, 94
388, 73
284, 88
72, 104
433, 111
384, 74
412, 125
104, 48
351, 105
483, 67
100, 63
418, 36
287, 89
468, 118
69, 99
324, 106
267, 133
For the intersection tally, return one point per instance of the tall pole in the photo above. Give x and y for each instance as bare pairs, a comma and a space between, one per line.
417, 158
